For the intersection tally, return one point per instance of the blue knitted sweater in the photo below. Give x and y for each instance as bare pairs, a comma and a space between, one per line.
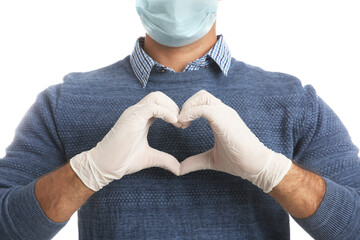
73, 116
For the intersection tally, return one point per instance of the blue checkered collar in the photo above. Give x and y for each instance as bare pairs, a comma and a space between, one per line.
142, 63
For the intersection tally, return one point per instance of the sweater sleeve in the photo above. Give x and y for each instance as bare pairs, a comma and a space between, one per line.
35, 150
325, 147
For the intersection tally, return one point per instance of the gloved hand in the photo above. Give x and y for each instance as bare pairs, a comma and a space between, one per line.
236, 150
125, 149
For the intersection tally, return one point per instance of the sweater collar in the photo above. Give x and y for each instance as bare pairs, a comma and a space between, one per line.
142, 63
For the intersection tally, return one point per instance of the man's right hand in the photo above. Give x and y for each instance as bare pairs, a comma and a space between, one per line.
125, 149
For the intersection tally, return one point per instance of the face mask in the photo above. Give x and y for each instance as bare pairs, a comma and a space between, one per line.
177, 23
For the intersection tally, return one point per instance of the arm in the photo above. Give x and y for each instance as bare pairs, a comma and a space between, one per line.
36, 206
325, 203
300, 192
36, 150
324, 146
61, 193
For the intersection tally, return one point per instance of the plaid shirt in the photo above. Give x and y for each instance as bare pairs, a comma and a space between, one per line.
142, 63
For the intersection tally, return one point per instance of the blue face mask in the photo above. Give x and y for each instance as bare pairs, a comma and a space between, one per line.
177, 23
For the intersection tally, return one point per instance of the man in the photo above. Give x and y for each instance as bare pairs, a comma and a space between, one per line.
238, 176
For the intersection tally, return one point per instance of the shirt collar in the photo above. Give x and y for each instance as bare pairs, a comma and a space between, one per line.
142, 63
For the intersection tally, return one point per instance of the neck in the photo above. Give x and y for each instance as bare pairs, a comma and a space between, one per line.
178, 57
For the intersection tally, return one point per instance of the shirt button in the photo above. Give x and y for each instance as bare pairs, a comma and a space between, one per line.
162, 70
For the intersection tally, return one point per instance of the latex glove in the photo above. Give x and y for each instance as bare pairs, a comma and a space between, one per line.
125, 149
236, 149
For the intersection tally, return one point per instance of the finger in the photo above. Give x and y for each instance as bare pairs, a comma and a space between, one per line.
196, 112
164, 160
197, 162
184, 125
162, 99
202, 97
177, 124
153, 110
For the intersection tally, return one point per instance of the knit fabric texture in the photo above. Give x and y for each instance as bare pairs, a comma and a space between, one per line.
74, 116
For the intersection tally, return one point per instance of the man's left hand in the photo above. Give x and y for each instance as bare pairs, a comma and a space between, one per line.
237, 150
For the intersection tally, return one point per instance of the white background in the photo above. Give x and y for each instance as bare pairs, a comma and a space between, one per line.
42, 40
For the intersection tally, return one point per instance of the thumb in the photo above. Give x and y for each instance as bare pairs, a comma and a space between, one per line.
197, 162
164, 160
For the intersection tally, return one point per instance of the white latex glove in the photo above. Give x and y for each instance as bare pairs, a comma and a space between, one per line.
125, 149
236, 150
